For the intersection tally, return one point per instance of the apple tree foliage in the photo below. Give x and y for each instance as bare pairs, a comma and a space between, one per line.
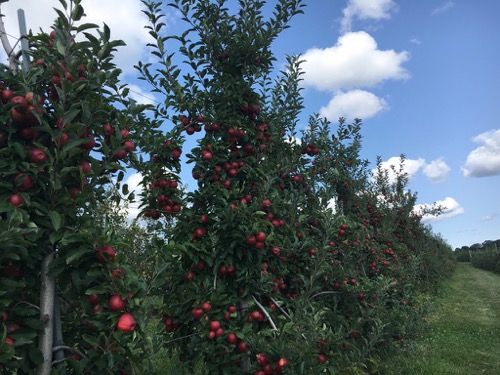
288, 256
67, 130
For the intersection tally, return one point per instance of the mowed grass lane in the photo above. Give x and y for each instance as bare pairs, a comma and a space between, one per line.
464, 337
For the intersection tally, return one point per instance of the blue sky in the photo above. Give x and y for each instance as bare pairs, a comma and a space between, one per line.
423, 75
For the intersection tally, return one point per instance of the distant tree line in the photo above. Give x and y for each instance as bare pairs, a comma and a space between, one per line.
485, 255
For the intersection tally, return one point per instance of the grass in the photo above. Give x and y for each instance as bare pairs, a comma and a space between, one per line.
464, 337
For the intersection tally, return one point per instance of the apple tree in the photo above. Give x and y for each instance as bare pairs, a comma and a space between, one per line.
283, 258
67, 129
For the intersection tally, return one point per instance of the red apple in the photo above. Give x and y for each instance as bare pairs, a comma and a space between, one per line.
23, 182
6, 95
126, 323
117, 303
37, 156
214, 325
129, 146
118, 273
242, 347
20, 103
16, 200
197, 313
94, 299
106, 253
86, 167
206, 306
231, 339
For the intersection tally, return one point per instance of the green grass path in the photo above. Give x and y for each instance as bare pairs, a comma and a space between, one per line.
465, 327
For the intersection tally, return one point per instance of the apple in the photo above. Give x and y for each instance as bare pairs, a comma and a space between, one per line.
206, 306
243, 347
120, 154
117, 303
260, 237
86, 167
23, 182
126, 323
17, 116
206, 155
197, 313
9, 341
266, 203
321, 358
214, 325
119, 273
261, 359
94, 299
20, 103
176, 154
257, 315
16, 200
108, 129
105, 253
6, 95
129, 146
231, 339
38, 156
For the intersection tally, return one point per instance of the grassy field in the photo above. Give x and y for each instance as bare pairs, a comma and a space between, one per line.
465, 329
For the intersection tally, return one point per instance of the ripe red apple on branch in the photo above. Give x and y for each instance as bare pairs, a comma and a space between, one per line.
126, 323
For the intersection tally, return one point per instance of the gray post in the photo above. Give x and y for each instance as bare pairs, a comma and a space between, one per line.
24, 40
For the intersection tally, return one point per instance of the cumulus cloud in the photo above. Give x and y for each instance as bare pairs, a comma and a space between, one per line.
443, 7
411, 167
449, 205
354, 61
366, 10
124, 18
437, 170
353, 104
484, 161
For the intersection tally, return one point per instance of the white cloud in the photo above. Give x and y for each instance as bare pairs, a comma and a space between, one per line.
411, 167
353, 104
354, 61
437, 170
450, 207
140, 96
488, 217
124, 18
443, 7
415, 41
366, 10
484, 161
133, 181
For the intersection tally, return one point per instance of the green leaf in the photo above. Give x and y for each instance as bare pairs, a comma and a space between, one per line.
91, 340
56, 220
86, 26
76, 254
77, 12
60, 47
35, 355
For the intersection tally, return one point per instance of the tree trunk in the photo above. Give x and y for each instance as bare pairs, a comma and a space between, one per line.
46, 337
